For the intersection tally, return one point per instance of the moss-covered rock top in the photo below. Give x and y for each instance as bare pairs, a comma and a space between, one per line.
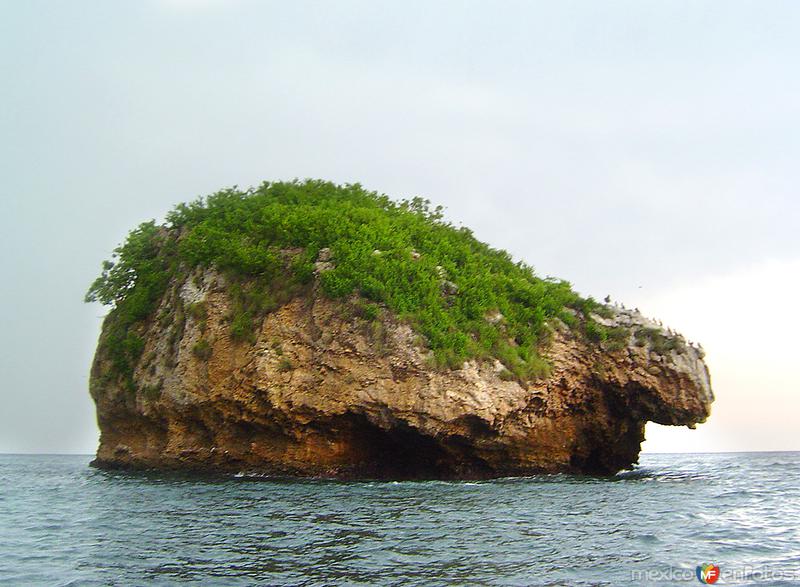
465, 298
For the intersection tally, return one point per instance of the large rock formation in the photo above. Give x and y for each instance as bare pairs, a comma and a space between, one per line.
321, 391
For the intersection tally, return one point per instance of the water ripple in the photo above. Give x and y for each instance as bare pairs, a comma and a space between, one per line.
65, 524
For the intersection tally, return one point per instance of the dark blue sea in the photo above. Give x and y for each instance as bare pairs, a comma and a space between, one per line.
63, 523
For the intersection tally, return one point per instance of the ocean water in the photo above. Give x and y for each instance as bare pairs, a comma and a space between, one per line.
63, 523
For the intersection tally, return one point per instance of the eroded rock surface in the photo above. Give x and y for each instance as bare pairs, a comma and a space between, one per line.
322, 392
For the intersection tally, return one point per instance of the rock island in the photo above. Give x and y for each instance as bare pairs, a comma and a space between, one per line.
312, 329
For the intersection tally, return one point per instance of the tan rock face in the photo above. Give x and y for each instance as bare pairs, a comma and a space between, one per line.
321, 392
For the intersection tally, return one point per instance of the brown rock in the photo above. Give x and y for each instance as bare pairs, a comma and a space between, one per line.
320, 393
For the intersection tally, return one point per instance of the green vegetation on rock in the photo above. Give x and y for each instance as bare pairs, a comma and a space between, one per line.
202, 349
658, 342
467, 299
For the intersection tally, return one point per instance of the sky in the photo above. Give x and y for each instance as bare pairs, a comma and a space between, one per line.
646, 150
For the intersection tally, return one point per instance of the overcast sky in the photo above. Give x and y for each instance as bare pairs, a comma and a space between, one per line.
647, 150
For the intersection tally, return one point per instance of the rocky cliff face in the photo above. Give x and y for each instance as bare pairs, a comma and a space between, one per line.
320, 391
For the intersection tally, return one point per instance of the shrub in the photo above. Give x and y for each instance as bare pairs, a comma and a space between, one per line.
366, 310
444, 290
335, 284
202, 349
611, 338
303, 269
595, 332
658, 342
506, 375
151, 392
242, 326
198, 311
617, 338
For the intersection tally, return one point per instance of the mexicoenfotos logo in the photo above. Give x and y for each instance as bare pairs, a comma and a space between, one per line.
707, 573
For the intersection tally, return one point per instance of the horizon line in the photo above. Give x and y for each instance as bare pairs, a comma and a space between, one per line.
706, 452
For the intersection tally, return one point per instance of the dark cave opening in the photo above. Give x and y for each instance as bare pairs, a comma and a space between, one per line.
403, 452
